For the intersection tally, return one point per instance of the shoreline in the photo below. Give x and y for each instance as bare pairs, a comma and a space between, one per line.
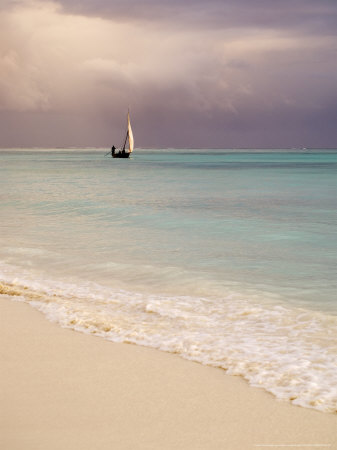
64, 389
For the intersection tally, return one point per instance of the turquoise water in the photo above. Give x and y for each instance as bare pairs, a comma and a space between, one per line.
216, 255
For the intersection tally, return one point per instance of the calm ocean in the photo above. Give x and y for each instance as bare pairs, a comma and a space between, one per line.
227, 258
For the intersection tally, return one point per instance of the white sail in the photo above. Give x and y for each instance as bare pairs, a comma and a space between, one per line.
130, 134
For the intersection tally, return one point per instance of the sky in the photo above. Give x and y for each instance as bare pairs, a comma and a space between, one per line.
194, 73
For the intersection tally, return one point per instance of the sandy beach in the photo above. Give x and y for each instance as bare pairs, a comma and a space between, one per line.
65, 390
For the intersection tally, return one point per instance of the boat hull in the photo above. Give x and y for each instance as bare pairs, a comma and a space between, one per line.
121, 155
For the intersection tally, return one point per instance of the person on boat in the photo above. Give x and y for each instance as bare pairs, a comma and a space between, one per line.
113, 148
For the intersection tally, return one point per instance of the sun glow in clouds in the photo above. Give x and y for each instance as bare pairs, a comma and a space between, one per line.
199, 79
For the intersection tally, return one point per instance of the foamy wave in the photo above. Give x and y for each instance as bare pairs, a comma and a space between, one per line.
290, 352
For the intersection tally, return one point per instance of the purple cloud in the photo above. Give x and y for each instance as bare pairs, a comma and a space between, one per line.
305, 15
195, 74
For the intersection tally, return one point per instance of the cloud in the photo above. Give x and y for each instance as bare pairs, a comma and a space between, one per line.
304, 15
193, 73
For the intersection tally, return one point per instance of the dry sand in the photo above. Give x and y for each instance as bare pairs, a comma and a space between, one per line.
68, 391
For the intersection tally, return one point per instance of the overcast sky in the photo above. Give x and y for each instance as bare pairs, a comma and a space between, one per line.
194, 73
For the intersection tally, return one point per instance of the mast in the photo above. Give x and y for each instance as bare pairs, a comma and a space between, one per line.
126, 138
130, 135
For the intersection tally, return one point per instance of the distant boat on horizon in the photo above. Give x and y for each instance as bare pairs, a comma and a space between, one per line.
123, 152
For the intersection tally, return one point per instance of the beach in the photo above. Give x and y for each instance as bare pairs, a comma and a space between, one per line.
168, 239
184, 300
66, 390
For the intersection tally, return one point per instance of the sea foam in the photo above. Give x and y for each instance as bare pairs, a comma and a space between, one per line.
289, 351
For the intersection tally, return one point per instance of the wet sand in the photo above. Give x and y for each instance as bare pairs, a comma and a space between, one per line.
60, 389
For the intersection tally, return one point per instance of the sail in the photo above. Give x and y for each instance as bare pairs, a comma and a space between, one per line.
130, 135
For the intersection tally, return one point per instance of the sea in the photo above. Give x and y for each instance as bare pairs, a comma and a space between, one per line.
224, 257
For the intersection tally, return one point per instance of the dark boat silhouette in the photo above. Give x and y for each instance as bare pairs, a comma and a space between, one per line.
123, 152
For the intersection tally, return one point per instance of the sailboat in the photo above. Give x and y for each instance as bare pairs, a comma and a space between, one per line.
124, 152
